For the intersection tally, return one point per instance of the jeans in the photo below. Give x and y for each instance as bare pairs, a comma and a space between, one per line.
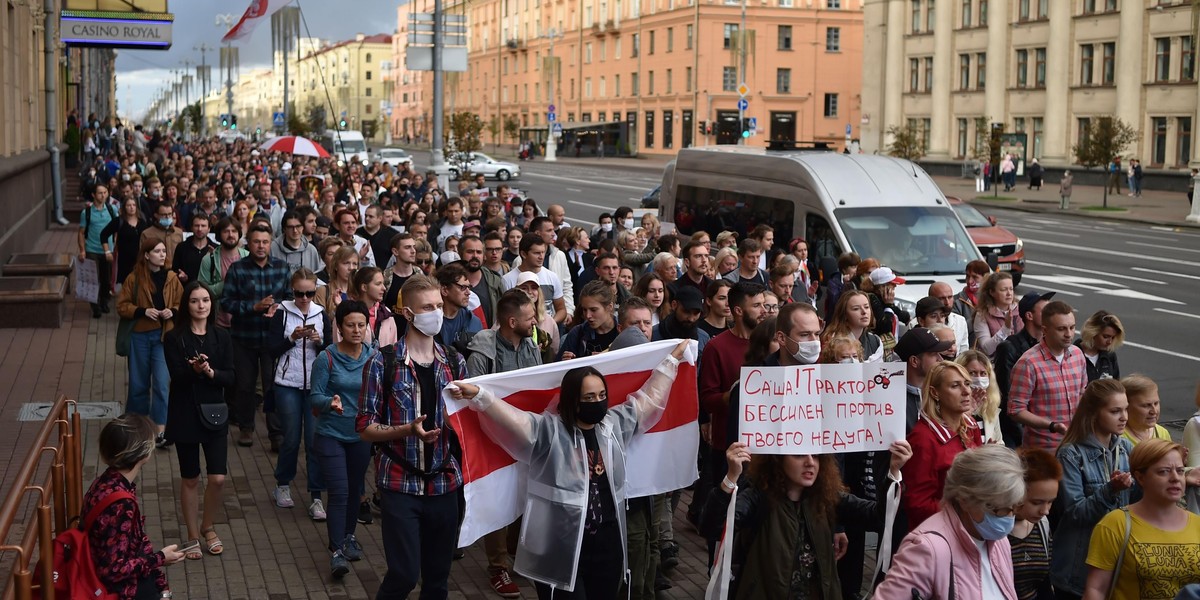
343, 467
295, 417
418, 539
148, 376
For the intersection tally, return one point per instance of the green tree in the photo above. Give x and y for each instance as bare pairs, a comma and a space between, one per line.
987, 146
1104, 139
908, 142
460, 138
512, 127
297, 126
316, 119
494, 128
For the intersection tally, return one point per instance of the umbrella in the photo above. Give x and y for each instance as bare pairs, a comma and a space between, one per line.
295, 144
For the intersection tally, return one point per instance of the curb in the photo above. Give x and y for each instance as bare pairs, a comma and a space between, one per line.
1022, 206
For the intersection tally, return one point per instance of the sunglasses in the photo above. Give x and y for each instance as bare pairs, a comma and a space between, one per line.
427, 261
308, 294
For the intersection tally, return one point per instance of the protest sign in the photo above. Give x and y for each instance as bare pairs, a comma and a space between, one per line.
820, 409
87, 281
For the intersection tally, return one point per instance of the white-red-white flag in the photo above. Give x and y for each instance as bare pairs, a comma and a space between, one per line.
258, 12
661, 460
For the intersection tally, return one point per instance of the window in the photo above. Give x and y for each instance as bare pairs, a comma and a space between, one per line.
688, 79
1039, 70
981, 71
603, 92
731, 30
633, 52
914, 75
1043, 9
1183, 140
603, 50
833, 4
831, 105
633, 84
930, 15
729, 79
1019, 124
926, 128
783, 81
1158, 143
785, 37
650, 84
1162, 59
670, 39
1039, 126
617, 88
966, 13
1023, 10
1110, 5
916, 16
649, 129
651, 42
962, 137
669, 80
983, 13
928, 74
587, 87
1085, 131
1187, 59
1022, 68
739, 211
368, 57
691, 34
368, 91
368, 75
1087, 58
833, 39
964, 71
1089, 6
587, 54
1109, 67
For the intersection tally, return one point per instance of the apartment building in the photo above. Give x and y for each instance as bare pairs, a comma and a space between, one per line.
1045, 68
350, 72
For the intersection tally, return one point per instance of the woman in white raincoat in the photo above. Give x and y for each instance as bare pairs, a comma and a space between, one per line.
574, 512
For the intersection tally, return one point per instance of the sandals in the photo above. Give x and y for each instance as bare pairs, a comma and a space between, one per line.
195, 553
215, 546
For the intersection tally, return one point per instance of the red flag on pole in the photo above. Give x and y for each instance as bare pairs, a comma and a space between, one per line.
258, 11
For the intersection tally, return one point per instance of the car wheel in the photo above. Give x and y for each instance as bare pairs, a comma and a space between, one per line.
502, 175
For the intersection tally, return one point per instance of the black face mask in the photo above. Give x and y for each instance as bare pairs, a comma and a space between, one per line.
592, 412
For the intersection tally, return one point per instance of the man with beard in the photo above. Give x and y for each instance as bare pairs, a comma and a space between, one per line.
687, 307
215, 264
507, 348
486, 284
191, 252
267, 205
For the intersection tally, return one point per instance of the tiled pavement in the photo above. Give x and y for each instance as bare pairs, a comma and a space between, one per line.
269, 552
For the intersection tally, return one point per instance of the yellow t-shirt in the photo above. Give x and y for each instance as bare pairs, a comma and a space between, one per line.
1157, 563
1160, 433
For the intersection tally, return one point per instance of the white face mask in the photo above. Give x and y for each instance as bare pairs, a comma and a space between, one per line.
980, 382
807, 352
428, 323
606, 227
849, 361
627, 223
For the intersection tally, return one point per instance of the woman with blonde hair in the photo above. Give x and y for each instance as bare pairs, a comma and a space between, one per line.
841, 349
1099, 339
944, 429
340, 285
1152, 548
996, 314
726, 261
545, 333
1096, 479
1144, 412
985, 394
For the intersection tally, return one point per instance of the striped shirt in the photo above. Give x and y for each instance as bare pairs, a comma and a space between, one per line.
1049, 388
1031, 562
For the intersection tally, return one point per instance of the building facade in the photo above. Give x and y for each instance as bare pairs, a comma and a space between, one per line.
1044, 68
351, 73
658, 68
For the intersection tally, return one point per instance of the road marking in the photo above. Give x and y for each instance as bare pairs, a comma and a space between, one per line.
587, 182
1173, 261
574, 190
1145, 270
1100, 273
1161, 351
1175, 312
1173, 248
1070, 280
1086, 283
581, 222
1136, 295
1040, 230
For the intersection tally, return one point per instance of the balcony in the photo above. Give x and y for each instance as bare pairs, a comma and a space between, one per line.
611, 25
599, 29
514, 44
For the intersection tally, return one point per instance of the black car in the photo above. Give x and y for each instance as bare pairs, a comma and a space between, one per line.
650, 200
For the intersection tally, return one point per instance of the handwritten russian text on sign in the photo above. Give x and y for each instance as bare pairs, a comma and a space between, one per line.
819, 409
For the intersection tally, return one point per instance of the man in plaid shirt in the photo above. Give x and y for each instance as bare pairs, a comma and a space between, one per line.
254, 287
418, 475
1048, 380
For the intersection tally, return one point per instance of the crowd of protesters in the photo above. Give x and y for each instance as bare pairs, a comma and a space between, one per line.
335, 302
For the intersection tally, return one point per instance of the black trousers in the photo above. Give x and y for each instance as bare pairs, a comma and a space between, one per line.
600, 569
250, 364
104, 273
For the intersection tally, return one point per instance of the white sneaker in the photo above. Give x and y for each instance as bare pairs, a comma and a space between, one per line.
283, 497
316, 510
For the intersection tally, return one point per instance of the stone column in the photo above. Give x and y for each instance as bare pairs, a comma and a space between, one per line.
1056, 121
1130, 67
894, 73
998, 57
943, 80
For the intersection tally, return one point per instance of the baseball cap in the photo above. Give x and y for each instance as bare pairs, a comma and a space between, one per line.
1028, 301
688, 297
726, 235
471, 224
448, 257
884, 275
929, 305
920, 340
527, 276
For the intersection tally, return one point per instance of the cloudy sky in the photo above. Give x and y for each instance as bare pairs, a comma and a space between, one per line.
140, 73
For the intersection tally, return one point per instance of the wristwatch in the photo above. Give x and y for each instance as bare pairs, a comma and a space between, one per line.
1050, 427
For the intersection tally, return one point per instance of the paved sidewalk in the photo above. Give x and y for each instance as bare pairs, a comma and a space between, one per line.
269, 552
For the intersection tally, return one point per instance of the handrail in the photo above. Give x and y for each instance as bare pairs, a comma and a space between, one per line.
58, 499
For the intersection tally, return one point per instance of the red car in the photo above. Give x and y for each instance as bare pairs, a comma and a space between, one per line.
991, 239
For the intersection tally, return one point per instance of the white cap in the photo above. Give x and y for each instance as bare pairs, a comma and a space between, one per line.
448, 257
527, 276
254, 153
287, 166
884, 275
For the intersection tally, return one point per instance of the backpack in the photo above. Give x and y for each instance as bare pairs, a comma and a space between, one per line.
75, 576
87, 216
389, 384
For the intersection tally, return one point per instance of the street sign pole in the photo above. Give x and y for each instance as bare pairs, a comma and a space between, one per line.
551, 143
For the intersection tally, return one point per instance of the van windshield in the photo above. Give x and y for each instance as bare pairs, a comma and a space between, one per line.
911, 239
350, 146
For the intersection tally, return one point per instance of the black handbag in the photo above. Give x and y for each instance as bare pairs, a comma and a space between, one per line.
213, 416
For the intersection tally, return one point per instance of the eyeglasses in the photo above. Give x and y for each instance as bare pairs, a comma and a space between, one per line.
601, 397
771, 307
1003, 511
462, 287
424, 261
308, 294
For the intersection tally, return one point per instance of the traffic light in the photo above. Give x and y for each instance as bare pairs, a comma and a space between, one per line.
342, 123
224, 121
745, 128
233, 124
712, 128
703, 130
258, 131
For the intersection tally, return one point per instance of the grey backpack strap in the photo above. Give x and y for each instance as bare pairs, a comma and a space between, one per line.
1112, 585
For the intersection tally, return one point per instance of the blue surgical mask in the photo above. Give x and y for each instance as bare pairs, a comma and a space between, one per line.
166, 222
993, 528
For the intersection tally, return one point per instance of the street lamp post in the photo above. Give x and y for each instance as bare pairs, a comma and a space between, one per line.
551, 143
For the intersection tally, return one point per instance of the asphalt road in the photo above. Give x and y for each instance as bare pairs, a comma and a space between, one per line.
1148, 276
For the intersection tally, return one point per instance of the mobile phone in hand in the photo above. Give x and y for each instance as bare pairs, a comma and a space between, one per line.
189, 546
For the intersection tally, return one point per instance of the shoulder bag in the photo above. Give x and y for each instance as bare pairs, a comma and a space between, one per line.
125, 326
1112, 585
213, 415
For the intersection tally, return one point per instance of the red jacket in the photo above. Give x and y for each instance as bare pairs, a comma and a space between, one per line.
720, 368
934, 448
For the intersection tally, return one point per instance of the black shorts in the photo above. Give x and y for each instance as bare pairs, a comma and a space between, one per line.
216, 454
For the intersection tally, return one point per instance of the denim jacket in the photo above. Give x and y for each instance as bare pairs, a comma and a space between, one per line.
1084, 497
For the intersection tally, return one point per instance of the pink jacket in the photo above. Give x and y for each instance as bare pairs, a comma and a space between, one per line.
923, 563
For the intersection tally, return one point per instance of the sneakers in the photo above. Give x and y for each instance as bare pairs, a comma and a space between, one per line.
351, 549
283, 497
364, 513
669, 557
316, 511
503, 584
338, 565
161, 442
245, 438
